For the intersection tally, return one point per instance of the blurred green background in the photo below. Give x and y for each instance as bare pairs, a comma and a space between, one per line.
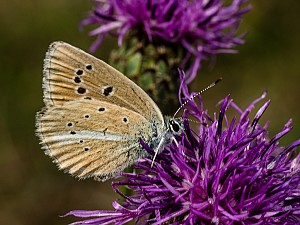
32, 190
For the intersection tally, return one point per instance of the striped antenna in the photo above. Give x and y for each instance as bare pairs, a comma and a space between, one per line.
197, 94
194, 121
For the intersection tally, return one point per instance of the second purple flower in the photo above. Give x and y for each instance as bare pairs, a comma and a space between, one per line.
228, 172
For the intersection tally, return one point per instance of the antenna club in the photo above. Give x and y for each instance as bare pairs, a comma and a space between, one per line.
220, 79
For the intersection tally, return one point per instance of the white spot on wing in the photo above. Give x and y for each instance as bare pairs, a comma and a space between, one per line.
66, 138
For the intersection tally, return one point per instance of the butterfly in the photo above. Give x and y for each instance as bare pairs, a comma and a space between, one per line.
94, 116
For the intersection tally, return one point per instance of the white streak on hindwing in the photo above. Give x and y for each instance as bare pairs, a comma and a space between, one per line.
63, 138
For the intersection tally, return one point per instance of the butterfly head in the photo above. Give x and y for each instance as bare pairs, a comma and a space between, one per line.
174, 127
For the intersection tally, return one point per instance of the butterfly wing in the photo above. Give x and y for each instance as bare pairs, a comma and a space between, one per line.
71, 74
94, 115
89, 138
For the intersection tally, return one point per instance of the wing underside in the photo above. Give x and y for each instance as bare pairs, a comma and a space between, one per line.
91, 138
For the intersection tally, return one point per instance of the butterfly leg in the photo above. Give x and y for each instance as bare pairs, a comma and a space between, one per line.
174, 139
159, 147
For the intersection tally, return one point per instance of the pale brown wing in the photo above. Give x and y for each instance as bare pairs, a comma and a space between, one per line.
89, 138
71, 74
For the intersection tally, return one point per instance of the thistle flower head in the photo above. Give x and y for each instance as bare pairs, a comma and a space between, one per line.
201, 27
228, 172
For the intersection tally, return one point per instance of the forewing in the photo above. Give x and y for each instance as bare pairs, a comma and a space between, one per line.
90, 138
71, 74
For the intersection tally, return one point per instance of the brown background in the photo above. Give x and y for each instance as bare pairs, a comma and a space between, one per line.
32, 190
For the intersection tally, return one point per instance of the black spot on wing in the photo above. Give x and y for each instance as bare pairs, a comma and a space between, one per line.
81, 90
79, 72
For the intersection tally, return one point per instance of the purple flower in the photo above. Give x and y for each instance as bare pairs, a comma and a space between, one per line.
228, 172
202, 27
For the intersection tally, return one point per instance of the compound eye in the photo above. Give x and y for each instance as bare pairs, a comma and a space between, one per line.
175, 127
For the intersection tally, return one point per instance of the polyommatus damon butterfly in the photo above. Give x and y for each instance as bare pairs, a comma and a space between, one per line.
94, 116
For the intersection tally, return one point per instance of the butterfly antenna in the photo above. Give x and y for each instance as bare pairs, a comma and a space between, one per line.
193, 121
197, 94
